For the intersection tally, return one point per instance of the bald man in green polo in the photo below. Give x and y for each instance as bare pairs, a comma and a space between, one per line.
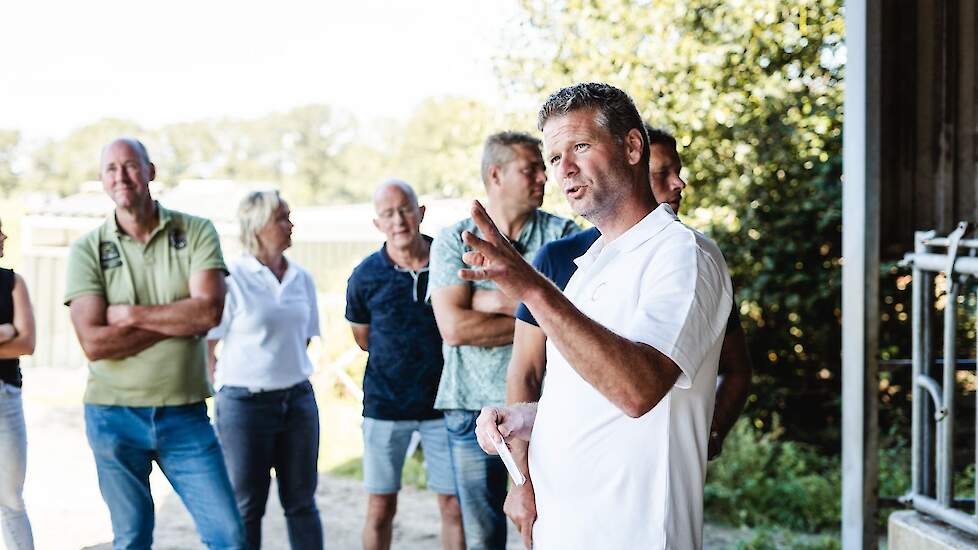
143, 288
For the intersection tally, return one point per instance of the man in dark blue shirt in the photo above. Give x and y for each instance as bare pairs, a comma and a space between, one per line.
556, 261
389, 309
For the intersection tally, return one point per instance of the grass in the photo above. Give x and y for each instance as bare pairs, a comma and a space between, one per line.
413, 475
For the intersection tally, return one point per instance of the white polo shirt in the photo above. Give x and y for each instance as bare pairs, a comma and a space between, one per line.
265, 326
603, 479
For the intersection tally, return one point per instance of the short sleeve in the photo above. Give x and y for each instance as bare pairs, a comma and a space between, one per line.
230, 304
356, 304
542, 264
84, 274
446, 259
313, 328
207, 250
570, 228
681, 309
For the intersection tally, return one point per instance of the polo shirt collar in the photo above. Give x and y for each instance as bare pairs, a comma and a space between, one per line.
649, 226
390, 263
251, 263
112, 225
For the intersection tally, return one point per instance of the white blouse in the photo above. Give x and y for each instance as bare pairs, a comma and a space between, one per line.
265, 327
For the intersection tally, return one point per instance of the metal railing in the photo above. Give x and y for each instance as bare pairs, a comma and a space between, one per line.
932, 436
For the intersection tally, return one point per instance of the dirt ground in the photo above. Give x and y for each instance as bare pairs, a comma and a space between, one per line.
67, 511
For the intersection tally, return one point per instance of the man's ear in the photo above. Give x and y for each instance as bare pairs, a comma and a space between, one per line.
493, 179
633, 146
151, 172
377, 225
420, 214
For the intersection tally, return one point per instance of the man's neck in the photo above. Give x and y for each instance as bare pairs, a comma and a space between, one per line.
413, 256
140, 222
619, 220
510, 221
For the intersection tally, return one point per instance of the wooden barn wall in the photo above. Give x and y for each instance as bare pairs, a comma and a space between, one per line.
929, 119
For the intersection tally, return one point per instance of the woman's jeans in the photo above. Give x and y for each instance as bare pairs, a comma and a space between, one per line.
14, 524
261, 430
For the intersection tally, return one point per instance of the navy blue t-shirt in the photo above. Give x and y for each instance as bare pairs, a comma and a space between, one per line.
405, 359
556, 261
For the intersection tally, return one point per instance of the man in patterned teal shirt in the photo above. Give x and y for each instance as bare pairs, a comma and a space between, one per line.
476, 322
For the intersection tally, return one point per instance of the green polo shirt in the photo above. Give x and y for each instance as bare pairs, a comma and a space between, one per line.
109, 263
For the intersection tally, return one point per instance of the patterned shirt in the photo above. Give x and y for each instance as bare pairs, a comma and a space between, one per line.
475, 376
405, 359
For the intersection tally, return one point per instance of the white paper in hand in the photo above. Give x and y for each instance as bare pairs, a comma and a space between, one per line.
514, 471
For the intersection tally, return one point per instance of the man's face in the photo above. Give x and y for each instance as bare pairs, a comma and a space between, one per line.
125, 178
398, 218
664, 168
589, 164
523, 178
276, 234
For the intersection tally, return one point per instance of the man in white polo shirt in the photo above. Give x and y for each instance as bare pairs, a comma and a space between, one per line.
619, 439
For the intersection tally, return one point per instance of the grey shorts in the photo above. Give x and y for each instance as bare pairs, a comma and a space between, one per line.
385, 444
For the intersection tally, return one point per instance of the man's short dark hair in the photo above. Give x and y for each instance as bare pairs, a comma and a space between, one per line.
498, 149
658, 136
616, 112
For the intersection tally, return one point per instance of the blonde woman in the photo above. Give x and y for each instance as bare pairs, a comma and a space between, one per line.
266, 411
16, 339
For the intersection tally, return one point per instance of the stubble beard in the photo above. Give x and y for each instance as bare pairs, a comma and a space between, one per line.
604, 207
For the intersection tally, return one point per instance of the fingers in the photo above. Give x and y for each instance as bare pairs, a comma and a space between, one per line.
485, 223
473, 274
475, 258
526, 531
486, 431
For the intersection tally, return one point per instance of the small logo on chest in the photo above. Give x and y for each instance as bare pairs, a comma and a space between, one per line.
108, 255
178, 239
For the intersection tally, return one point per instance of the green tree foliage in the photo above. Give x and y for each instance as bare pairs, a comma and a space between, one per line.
295, 150
753, 91
440, 147
62, 165
314, 154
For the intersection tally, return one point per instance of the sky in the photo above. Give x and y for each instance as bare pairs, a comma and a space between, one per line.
66, 64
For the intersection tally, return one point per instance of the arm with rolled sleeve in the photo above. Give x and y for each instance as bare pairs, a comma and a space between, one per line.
683, 307
662, 345
85, 296
451, 299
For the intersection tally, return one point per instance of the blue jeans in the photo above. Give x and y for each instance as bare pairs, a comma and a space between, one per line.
273, 429
480, 480
14, 524
126, 441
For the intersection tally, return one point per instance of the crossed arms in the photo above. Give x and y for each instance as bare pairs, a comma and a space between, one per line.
468, 317
121, 330
17, 337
